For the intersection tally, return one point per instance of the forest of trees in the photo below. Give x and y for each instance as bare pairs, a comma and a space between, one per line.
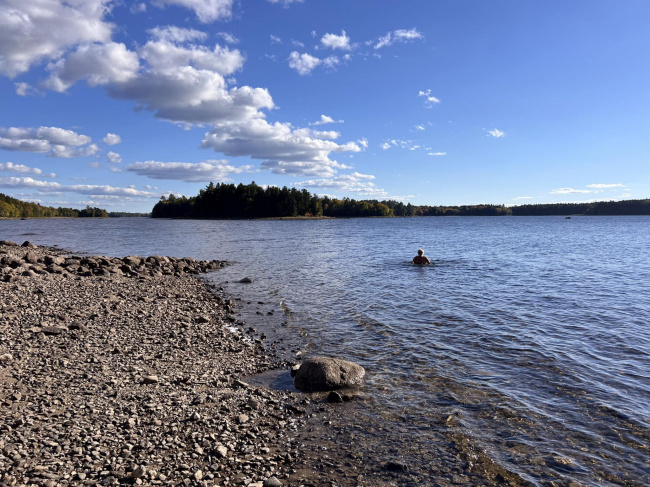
13, 208
627, 207
253, 201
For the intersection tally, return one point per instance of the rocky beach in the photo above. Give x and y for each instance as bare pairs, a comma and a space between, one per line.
132, 371
136, 371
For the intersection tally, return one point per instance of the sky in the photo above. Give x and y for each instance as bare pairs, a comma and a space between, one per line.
114, 103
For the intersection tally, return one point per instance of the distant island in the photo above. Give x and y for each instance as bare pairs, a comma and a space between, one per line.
223, 201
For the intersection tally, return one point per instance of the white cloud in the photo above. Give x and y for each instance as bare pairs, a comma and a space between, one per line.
87, 189
22, 169
363, 142
522, 198
112, 139
25, 89
334, 41
35, 30
285, 3
113, 157
297, 43
275, 39
66, 152
436, 153
303, 63
331, 61
570, 191
385, 146
400, 35
165, 56
206, 171
188, 95
171, 33
606, 186
496, 133
420, 127
326, 119
283, 150
137, 8
228, 38
206, 10
94, 164
430, 99
99, 64
57, 141
350, 183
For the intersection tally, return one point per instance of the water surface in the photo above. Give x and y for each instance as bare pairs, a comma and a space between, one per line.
527, 340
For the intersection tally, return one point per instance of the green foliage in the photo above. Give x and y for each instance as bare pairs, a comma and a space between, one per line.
627, 207
253, 201
13, 208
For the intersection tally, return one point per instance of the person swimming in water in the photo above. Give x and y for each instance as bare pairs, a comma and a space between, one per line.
420, 258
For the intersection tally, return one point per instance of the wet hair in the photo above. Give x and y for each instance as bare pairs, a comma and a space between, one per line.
420, 252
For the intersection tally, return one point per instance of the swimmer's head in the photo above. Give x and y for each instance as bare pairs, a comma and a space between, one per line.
420, 252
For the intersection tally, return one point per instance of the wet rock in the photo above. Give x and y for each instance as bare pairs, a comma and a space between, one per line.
8, 243
246, 280
326, 374
396, 466
29, 245
53, 330
334, 397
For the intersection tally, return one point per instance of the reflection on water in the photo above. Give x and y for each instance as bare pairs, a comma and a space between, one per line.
524, 349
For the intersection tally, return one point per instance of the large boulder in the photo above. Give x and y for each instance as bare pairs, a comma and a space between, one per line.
327, 374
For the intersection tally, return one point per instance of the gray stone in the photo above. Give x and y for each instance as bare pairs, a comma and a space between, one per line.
326, 374
272, 482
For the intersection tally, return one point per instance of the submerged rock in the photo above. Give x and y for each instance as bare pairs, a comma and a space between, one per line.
326, 374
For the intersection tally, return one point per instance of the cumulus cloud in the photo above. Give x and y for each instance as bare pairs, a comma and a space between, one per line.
436, 154
66, 152
496, 133
275, 39
206, 171
112, 139
22, 169
205, 10
32, 31
282, 149
334, 41
349, 183
303, 63
99, 64
87, 189
171, 33
113, 157
57, 141
400, 35
430, 100
164, 55
326, 119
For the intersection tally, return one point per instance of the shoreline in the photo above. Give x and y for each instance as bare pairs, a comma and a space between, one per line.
133, 371
115, 378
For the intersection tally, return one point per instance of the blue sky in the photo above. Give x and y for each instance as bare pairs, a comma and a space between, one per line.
115, 103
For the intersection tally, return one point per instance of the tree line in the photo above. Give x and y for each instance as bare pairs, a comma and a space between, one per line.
14, 208
627, 207
253, 201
